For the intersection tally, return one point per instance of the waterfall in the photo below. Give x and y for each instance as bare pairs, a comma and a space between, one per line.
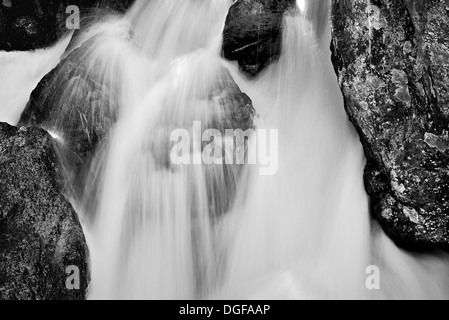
153, 235
304, 232
162, 231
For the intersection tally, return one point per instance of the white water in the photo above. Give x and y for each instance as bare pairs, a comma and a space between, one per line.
304, 233
156, 238
20, 72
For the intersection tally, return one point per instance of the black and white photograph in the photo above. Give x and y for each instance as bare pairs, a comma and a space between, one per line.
217, 152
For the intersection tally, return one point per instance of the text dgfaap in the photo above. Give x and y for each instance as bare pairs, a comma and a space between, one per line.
246, 309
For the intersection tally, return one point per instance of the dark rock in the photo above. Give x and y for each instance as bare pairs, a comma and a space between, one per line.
29, 25
78, 106
237, 108
237, 113
253, 33
120, 6
392, 59
40, 234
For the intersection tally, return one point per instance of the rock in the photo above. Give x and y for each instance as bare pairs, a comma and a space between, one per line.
120, 6
217, 103
78, 107
237, 108
392, 60
29, 25
253, 33
237, 113
40, 234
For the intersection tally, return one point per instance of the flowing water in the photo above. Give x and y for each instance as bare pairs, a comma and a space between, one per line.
160, 231
20, 72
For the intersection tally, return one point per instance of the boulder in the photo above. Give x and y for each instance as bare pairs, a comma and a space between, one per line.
77, 103
392, 62
252, 34
73, 107
40, 234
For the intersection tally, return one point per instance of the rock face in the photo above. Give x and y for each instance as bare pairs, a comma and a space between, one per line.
40, 234
392, 61
28, 25
253, 33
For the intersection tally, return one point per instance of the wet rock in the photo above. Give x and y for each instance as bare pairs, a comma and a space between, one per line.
40, 234
237, 108
78, 106
253, 33
29, 25
392, 61
237, 113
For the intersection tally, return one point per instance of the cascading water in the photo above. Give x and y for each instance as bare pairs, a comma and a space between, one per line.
302, 233
308, 237
305, 233
161, 231
158, 231
156, 238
